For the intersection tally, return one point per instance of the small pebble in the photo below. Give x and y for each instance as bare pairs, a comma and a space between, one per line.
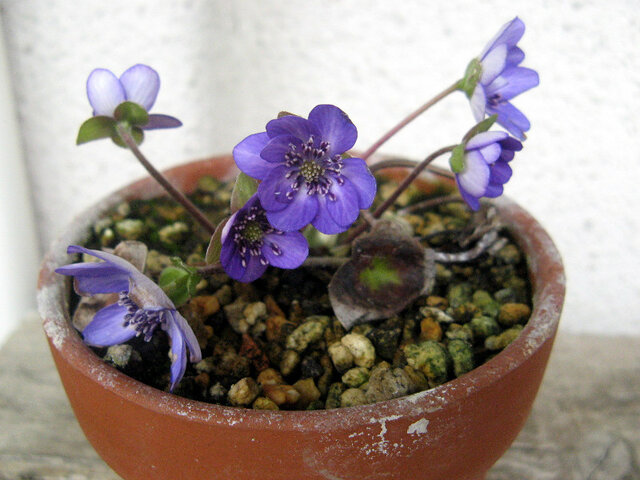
120, 355
352, 397
355, 377
430, 330
264, 403
282, 395
290, 360
461, 355
130, 229
308, 391
174, 234
308, 332
363, 351
243, 392
254, 311
513, 313
499, 342
431, 358
483, 327
333, 395
386, 383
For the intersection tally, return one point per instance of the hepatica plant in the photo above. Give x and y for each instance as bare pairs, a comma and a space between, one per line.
299, 176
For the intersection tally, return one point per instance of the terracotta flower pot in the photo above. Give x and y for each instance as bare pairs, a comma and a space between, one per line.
452, 432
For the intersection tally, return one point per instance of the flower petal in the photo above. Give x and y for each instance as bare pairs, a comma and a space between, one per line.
473, 202
500, 173
295, 215
324, 222
291, 249
278, 147
141, 84
509, 34
493, 64
494, 190
105, 92
254, 270
491, 152
107, 327
247, 156
273, 190
97, 277
475, 176
231, 261
478, 102
161, 121
356, 170
483, 139
514, 81
195, 354
512, 119
335, 127
342, 203
177, 353
299, 127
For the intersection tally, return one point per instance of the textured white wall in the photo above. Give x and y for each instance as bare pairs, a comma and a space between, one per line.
228, 67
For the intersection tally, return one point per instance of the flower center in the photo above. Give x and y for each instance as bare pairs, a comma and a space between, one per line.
312, 167
248, 232
494, 100
252, 232
311, 171
143, 321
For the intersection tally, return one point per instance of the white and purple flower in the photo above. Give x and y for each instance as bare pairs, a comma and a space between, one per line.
250, 244
501, 79
142, 307
138, 84
486, 166
305, 178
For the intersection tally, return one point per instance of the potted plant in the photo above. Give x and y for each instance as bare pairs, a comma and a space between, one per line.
296, 173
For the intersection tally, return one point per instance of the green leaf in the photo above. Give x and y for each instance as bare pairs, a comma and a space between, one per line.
380, 274
243, 190
471, 77
131, 113
387, 270
135, 132
457, 158
179, 281
483, 126
96, 128
215, 244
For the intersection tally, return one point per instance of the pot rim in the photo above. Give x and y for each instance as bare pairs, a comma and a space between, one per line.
548, 286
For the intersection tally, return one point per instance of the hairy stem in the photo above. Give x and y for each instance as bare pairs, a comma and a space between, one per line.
408, 180
408, 119
164, 182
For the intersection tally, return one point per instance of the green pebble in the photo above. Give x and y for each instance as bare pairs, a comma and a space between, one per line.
333, 395
352, 397
173, 234
460, 332
355, 377
513, 313
485, 302
483, 327
208, 184
509, 255
308, 332
130, 229
499, 342
459, 293
431, 358
461, 355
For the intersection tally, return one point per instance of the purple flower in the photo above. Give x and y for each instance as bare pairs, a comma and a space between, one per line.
250, 244
501, 79
141, 309
304, 177
138, 84
486, 166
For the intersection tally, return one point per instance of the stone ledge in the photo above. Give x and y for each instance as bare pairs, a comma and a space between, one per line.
585, 422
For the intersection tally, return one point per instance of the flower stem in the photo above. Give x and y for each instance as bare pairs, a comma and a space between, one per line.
408, 119
394, 163
164, 182
409, 179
